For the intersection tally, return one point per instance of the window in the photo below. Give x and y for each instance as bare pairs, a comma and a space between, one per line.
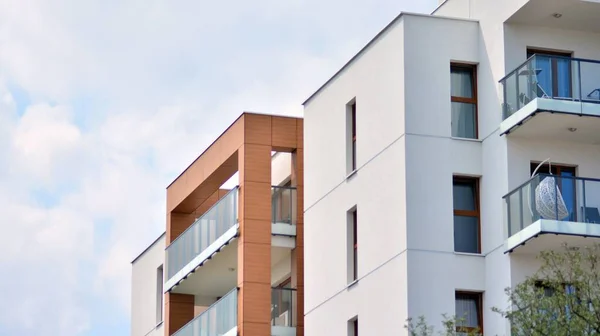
351, 136
469, 312
466, 215
352, 238
159, 294
463, 88
353, 327
553, 73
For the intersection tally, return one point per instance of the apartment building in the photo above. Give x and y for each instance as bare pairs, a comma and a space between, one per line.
233, 246
147, 274
431, 134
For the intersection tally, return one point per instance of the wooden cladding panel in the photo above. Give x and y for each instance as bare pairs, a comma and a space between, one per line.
255, 231
257, 129
299, 133
255, 329
179, 310
255, 303
284, 133
210, 185
257, 200
176, 224
251, 168
254, 263
206, 164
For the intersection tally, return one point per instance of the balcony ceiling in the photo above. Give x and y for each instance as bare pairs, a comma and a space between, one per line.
555, 126
219, 275
580, 15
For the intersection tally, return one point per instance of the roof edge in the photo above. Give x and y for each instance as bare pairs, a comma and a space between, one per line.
222, 133
149, 246
374, 39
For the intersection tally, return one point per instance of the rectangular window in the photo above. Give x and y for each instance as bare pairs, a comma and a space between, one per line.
159, 294
553, 73
352, 238
465, 194
353, 327
469, 312
463, 88
351, 136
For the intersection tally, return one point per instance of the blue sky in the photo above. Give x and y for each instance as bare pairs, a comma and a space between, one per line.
103, 103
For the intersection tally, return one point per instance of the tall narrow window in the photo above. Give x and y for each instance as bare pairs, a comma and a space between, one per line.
463, 88
351, 136
352, 238
353, 327
159, 294
469, 312
466, 215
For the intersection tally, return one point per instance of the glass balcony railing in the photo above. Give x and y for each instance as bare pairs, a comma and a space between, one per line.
218, 319
203, 232
574, 82
553, 197
283, 205
283, 307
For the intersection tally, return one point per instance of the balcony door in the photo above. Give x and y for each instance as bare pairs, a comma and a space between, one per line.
554, 73
567, 185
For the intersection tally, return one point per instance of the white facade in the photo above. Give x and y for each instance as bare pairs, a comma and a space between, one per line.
406, 160
147, 290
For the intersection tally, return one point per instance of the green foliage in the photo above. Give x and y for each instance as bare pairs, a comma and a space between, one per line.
562, 298
450, 327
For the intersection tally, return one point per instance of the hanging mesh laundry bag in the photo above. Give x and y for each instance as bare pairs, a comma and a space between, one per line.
549, 202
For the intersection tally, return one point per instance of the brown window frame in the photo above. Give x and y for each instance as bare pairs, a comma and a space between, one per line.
470, 213
473, 100
478, 296
355, 244
353, 126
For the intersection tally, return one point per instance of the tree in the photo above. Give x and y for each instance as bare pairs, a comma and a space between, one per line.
561, 298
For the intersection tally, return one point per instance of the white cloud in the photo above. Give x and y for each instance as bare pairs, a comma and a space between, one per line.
122, 97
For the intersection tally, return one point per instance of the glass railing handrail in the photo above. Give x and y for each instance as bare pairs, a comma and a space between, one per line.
283, 187
207, 229
201, 217
541, 175
212, 308
574, 59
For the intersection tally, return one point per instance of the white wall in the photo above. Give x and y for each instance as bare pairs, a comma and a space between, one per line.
281, 167
432, 158
281, 270
375, 78
377, 189
144, 289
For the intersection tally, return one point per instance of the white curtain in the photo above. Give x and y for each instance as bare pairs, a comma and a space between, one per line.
466, 311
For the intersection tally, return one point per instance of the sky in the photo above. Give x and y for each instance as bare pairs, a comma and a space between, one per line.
104, 102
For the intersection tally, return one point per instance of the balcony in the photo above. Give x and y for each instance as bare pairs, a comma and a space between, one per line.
219, 319
549, 210
546, 97
206, 236
283, 311
283, 207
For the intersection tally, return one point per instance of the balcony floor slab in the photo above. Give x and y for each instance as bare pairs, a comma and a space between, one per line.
552, 119
547, 234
